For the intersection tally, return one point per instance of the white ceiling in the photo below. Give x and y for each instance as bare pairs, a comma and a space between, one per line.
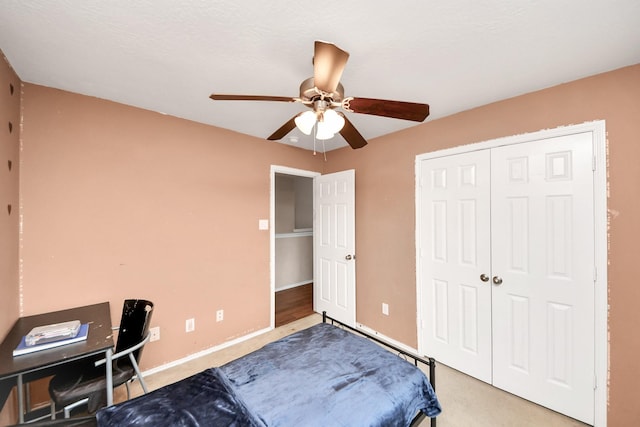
170, 55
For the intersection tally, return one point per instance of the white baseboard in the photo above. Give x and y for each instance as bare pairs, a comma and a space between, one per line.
293, 285
387, 339
204, 352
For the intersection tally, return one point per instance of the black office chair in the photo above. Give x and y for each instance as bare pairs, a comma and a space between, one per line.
85, 382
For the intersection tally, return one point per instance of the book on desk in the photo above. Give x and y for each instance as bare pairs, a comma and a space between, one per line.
50, 341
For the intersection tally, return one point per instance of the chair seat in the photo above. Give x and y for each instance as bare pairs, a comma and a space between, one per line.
79, 382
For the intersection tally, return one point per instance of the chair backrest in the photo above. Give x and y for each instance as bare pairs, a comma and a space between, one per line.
134, 325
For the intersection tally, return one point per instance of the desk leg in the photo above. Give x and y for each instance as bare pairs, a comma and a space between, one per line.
109, 366
20, 400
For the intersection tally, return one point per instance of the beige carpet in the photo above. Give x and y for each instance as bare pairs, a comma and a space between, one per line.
465, 401
468, 402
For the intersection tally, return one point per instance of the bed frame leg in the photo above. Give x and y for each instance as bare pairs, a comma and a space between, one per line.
432, 372
324, 317
432, 380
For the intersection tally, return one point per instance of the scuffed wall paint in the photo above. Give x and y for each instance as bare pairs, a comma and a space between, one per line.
10, 94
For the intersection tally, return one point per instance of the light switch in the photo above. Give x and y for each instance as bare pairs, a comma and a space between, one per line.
263, 224
385, 308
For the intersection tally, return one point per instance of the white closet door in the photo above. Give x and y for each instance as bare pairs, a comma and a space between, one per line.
454, 254
543, 255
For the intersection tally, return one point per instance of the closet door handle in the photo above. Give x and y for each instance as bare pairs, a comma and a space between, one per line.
484, 277
348, 257
497, 280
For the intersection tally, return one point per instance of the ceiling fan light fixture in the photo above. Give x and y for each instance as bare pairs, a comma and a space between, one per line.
333, 121
306, 121
324, 131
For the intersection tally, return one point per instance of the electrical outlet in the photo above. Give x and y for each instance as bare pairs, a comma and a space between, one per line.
219, 315
190, 325
385, 308
155, 333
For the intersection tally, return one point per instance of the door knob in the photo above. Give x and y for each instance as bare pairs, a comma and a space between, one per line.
497, 280
348, 257
484, 277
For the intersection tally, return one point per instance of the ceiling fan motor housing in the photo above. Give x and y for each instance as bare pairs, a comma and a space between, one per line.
309, 92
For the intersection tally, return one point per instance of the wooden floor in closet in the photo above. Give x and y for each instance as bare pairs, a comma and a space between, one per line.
293, 304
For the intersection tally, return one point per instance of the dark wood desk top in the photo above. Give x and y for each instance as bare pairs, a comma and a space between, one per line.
99, 339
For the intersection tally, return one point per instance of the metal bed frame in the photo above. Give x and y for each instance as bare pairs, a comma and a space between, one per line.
430, 362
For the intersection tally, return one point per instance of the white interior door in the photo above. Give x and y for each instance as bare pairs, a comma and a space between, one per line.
455, 241
543, 257
334, 246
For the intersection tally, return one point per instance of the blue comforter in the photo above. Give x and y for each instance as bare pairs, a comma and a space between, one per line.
320, 376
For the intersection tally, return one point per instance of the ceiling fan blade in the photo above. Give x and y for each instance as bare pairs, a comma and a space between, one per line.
395, 109
328, 63
284, 129
219, 97
351, 134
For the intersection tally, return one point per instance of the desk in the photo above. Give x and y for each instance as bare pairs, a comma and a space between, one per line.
15, 371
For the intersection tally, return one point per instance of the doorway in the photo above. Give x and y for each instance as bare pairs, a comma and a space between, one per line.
291, 244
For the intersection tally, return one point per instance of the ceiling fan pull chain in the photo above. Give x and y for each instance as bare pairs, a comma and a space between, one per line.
324, 151
314, 140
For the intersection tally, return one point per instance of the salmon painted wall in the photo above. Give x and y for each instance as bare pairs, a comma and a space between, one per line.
10, 92
385, 208
120, 202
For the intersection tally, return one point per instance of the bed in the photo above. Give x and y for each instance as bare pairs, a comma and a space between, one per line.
324, 375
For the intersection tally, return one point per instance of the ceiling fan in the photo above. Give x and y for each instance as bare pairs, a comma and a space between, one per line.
323, 94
